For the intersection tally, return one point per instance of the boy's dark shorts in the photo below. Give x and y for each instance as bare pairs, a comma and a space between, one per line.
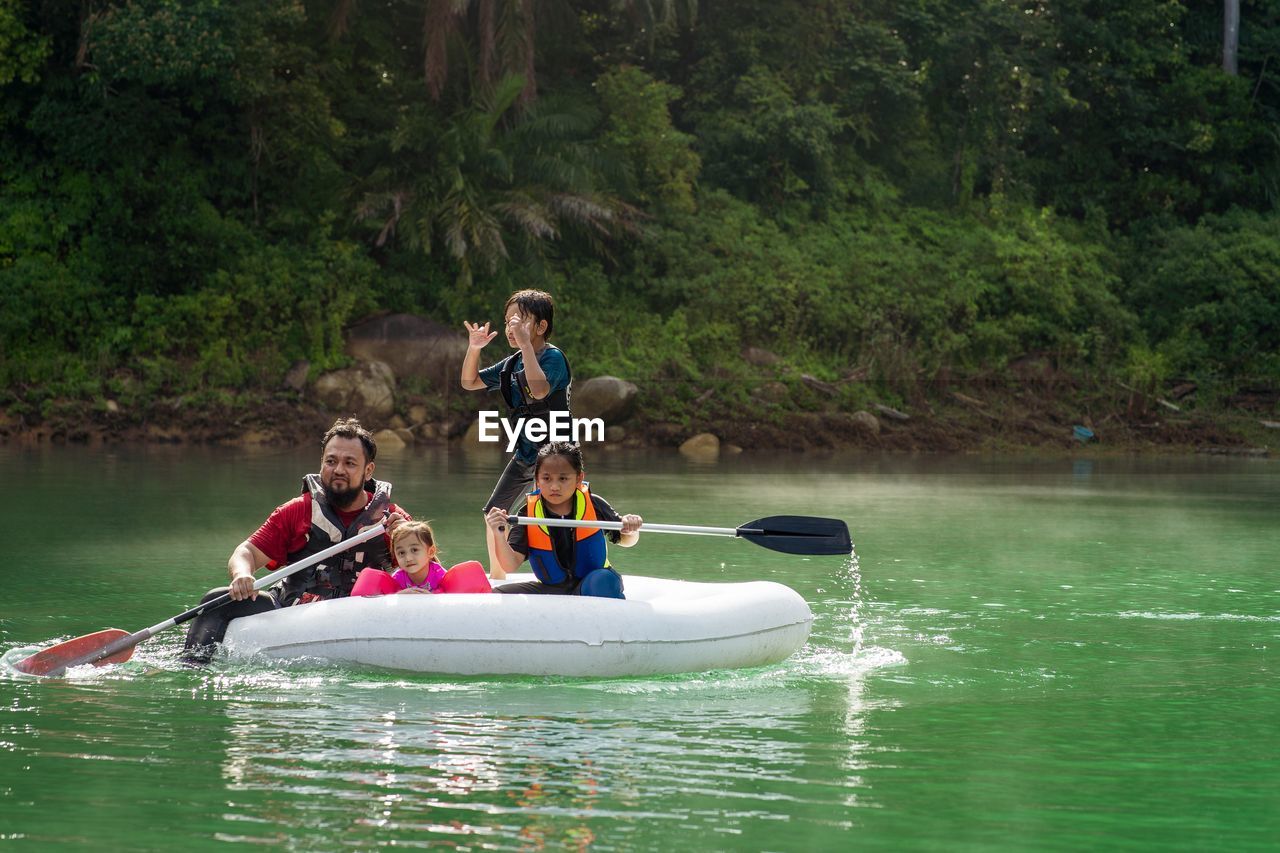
515, 482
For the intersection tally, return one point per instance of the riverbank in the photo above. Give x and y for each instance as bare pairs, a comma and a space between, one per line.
993, 417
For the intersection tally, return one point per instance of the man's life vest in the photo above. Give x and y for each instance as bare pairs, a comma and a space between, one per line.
590, 549
531, 409
335, 578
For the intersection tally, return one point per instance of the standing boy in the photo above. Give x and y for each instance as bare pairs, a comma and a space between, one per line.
534, 382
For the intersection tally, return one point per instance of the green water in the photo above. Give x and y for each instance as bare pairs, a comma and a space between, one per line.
1026, 655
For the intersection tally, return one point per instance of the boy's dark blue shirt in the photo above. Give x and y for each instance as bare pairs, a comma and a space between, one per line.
554, 366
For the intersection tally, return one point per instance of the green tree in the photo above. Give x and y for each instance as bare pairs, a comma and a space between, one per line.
491, 180
638, 127
22, 52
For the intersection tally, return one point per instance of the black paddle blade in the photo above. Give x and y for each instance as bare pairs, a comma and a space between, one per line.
799, 534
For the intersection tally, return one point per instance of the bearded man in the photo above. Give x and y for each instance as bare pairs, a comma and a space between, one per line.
335, 505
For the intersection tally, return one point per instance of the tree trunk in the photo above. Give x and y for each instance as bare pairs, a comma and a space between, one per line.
1230, 34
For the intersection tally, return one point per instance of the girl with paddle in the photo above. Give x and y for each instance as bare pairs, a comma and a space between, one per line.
566, 561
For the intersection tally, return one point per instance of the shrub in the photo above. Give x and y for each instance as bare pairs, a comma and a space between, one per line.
1208, 297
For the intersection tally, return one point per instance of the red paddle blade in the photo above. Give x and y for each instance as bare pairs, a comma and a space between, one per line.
57, 657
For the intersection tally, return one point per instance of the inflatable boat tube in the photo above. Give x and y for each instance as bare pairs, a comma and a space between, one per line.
663, 626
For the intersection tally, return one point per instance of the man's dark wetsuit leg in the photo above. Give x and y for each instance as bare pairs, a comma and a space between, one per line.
208, 629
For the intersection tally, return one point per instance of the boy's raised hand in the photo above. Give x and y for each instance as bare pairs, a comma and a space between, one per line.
478, 336
521, 329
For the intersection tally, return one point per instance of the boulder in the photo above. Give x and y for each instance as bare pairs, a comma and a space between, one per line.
866, 422
414, 347
397, 422
471, 442
295, 378
368, 390
164, 435
406, 434
256, 438
606, 397
759, 357
703, 447
772, 392
389, 439
614, 434
417, 413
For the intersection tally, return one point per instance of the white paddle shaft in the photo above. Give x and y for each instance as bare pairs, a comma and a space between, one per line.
268, 579
333, 550
130, 640
617, 525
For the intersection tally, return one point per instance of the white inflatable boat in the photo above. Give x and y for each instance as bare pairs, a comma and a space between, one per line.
663, 626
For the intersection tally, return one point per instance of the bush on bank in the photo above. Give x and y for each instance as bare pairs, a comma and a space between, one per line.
195, 195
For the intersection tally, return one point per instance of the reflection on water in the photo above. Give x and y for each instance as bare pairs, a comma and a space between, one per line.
529, 762
327, 758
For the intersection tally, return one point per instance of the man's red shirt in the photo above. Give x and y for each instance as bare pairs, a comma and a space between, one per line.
285, 530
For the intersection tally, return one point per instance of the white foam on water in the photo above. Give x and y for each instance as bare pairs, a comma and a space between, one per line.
1190, 617
10, 659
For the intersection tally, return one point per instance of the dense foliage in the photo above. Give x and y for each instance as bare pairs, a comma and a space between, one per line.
196, 193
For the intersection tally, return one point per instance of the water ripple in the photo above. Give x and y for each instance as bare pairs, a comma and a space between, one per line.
1186, 617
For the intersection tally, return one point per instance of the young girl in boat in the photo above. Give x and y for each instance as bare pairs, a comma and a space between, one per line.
566, 560
413, 544
417, 570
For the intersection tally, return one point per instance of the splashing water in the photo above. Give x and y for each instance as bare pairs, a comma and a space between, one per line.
852, 570
839, 647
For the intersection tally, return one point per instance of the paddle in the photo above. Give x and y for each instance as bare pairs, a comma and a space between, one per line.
116, 646
790, 534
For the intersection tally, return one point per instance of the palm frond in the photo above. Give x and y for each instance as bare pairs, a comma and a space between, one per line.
528, 216
557, 172
470, 231
388, 206
496, 163
423, 232
582, 210
494, 104
600, 215
559, 124
513, 33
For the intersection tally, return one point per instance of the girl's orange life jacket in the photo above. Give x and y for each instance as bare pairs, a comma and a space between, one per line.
590, 551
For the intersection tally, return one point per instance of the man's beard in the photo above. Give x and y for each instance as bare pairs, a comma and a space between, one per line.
344, 497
